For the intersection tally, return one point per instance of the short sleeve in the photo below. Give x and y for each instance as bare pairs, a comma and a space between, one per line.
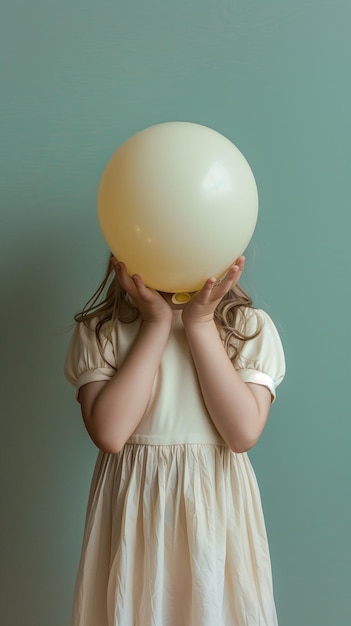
84, 363
261, 359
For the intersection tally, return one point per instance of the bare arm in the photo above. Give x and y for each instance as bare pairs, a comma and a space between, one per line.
112, 410
238, 410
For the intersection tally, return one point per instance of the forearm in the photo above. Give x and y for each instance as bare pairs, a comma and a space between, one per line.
121, 403
232, 405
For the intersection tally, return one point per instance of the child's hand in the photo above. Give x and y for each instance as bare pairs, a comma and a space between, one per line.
202, 305
151, 305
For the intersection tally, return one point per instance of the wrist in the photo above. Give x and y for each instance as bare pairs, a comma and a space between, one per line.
204, 322
158, 324
158, 317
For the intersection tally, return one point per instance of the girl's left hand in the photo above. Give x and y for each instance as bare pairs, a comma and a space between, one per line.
200, 309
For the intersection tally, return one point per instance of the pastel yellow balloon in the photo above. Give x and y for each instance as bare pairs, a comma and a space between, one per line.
177, 203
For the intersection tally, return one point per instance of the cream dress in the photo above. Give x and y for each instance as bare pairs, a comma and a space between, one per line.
174, 534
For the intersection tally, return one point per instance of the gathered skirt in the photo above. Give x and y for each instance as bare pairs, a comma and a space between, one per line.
174, 536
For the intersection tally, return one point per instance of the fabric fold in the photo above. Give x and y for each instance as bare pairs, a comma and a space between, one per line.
180, 538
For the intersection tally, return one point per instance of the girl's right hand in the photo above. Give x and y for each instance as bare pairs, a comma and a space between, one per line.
151, 305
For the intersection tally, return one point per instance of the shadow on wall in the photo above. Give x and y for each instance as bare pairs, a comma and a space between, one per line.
45, 495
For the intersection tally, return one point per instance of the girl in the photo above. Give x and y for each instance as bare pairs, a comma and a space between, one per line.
174, 396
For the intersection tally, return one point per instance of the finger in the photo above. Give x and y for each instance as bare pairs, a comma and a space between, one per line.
205, 292
146, 293
222, 287
240, 262
124, 279
234, 273
114, 263
209, 284
140, 286
223, 284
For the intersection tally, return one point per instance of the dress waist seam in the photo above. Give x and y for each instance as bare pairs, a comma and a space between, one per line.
175, 445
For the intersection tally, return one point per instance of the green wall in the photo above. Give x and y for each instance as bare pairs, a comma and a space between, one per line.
79, 78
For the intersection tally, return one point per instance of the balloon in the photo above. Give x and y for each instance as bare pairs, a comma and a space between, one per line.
177, 203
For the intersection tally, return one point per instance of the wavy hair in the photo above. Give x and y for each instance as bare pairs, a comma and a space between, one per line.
110, 302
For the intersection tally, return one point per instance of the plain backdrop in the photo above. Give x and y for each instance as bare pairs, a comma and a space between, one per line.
80, 77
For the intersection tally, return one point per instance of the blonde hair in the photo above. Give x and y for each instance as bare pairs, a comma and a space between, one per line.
110, 302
